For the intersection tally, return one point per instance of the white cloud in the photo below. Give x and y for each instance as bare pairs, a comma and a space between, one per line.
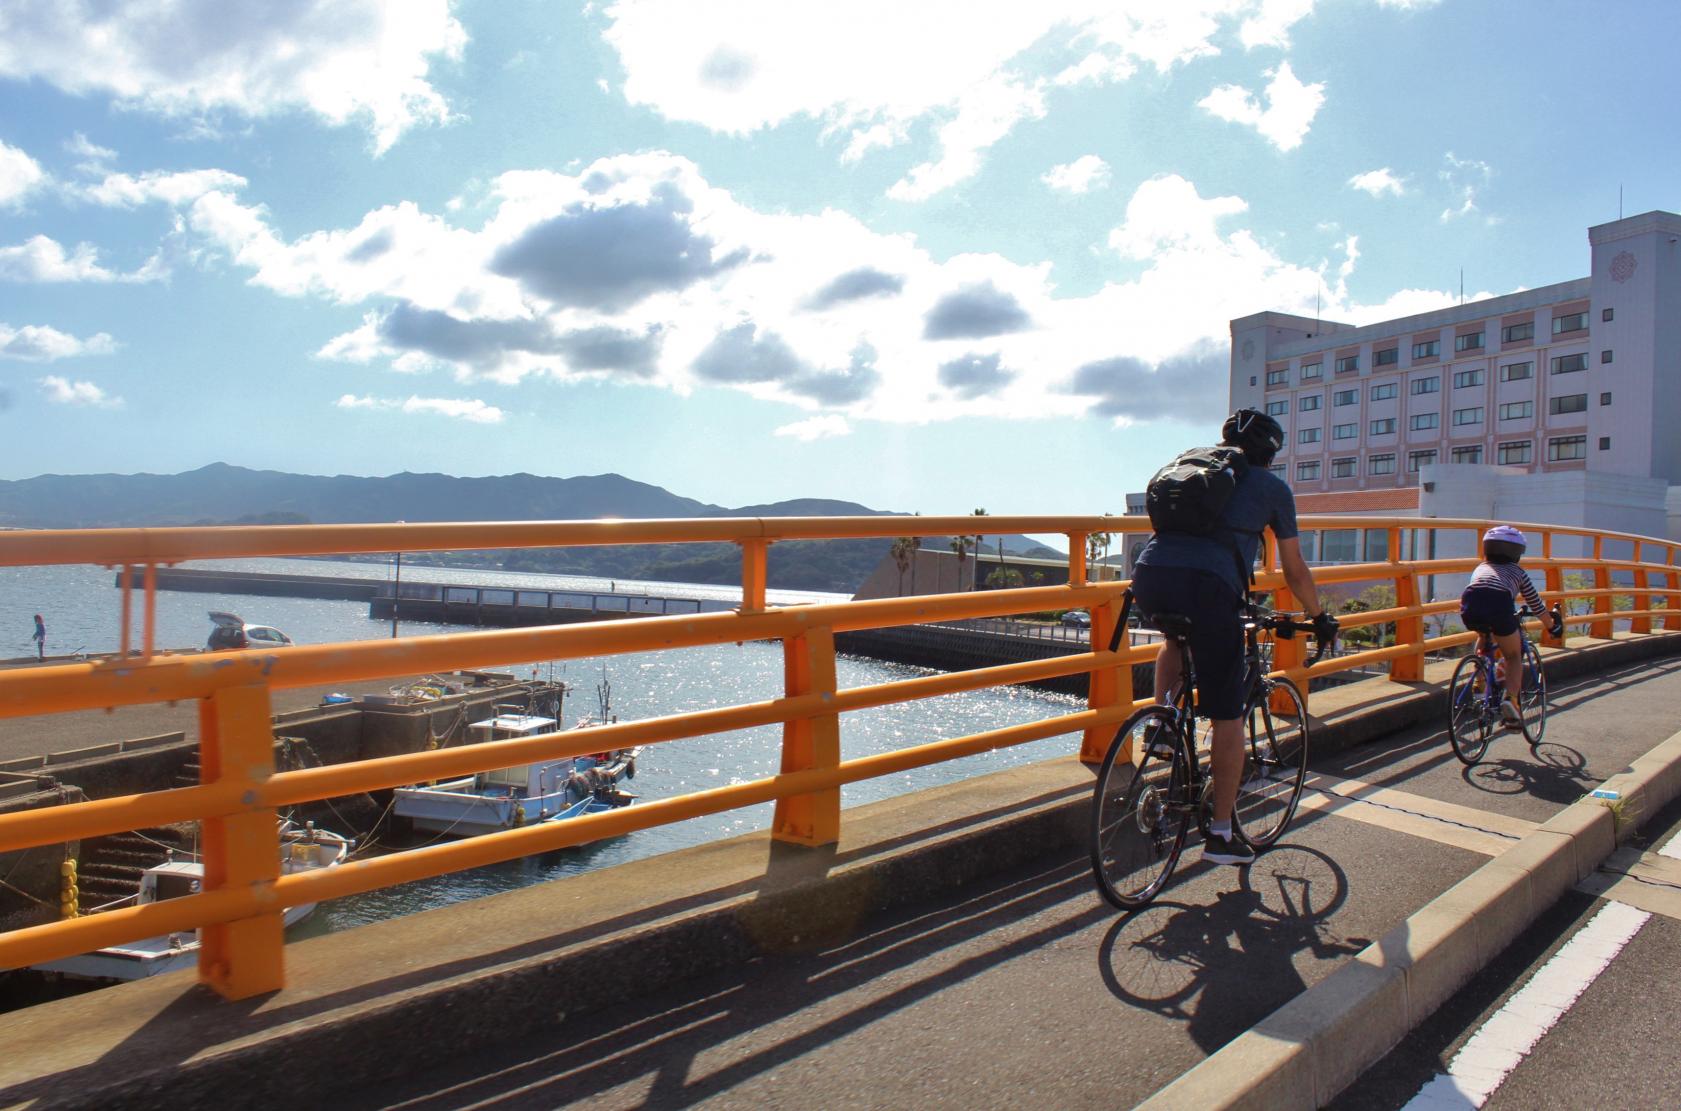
63, 391
1378, 182
1082, 175
40, 259
869, 70
816, 428
468, 409
362, 60
1290, 107
20, 175
93, 156
34, 343
179, 188
1408, 5
1465, 179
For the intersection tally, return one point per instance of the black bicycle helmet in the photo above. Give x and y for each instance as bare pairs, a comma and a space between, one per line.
1257, 434
1503, 544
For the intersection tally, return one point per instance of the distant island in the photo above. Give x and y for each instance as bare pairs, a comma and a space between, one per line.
222, 494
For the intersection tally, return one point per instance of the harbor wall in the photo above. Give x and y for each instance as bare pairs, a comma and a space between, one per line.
948, 648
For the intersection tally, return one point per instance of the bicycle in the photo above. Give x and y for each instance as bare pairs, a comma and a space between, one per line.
1477, 689
1144, 802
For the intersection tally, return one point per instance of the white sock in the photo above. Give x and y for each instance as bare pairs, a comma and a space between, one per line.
1221, 829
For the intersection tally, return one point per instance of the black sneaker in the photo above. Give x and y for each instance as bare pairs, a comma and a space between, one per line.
1227, 850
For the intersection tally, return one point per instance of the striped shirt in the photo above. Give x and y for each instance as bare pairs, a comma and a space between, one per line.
1510, 578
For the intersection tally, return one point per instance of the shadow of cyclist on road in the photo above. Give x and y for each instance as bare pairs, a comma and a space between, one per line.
1550, 772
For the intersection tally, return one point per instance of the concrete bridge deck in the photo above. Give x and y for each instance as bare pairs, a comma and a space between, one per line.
951, 950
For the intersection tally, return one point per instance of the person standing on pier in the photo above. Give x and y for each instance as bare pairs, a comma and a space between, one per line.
40, 638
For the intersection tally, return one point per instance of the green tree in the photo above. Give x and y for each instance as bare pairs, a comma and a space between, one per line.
1004, 577
980, 541
903, 552
960, 545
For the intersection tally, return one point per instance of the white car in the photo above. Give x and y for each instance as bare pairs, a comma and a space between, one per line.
231, 632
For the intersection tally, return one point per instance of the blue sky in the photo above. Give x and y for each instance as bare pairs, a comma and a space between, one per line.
924, 256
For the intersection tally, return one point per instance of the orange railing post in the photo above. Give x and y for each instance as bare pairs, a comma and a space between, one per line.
1604, 601
1106, 683
1408, 630
810, 743
1672, 580
754, 574
1642, 598
236, 744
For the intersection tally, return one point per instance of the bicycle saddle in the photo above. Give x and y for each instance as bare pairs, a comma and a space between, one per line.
1173, 625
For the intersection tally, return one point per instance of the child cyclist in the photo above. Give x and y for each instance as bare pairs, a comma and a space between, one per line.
1489, 606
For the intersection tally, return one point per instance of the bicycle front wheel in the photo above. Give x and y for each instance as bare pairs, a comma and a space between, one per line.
1274, 765
1141, 810
1468, 725
1533, 695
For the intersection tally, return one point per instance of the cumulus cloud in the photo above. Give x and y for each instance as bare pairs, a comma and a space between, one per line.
63, 391
856, 285
1379, 182
816, 428
20, 175
872, 73
975, 312
1465, 178
1082, 175
367, 61
1130, 389
471, 410
1290, 107
34, 343
129, 191
974, 376
93, 156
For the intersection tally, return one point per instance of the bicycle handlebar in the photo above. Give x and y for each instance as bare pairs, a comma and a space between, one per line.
1285, 627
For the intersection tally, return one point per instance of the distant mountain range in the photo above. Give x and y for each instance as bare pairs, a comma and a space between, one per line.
221, 494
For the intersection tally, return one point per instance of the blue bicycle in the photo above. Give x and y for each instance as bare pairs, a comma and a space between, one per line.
1479, 687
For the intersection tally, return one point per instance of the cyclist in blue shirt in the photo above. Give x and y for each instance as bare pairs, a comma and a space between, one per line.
1489, 605
1205, 579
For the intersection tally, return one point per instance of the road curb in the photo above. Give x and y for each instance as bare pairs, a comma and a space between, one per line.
1306, 1052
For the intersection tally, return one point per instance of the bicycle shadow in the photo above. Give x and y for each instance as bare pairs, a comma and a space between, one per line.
1221, 968
1551, 772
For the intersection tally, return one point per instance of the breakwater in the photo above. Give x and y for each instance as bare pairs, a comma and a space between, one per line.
954, 648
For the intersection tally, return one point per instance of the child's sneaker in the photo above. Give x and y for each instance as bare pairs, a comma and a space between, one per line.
1510, 716
1227, 850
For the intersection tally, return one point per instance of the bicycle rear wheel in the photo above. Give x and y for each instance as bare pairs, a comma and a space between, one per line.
1141, 809
1534, 695
1274, 765
1468, 726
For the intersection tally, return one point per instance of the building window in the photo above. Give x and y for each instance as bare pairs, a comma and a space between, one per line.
1377, 544
1462, 417
1517, 372
1605, 443
1342, 468
1308, 436
1605, 356
1517, 452
1419, 459
1570, 322
1473, 454
1563, 448
1251, 379
1384, 427
1339, 545
1384, 392
1467, 378
1517, 410
1389, 356
1427, 350
1517, 333
1380, 464
1471, 341
1345, 397
1432, 384
1310, 371
1307, 472
1277, 408
1418, 422
1348, 364
1309, 402
1344, 431
1568, 403
1277, 377
1570, 364
1606, 315
1605, 399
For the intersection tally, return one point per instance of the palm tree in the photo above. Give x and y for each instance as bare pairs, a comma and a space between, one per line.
980, 541
960, 545
903, 551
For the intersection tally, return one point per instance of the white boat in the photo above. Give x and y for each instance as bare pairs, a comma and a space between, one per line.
302, 849
507, 798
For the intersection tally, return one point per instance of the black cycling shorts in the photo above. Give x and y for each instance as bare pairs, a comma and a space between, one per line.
1488, 609
1216, 630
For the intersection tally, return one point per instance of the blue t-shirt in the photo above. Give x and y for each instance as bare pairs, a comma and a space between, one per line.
1262, 500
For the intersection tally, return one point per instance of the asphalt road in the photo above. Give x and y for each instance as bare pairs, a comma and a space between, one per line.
1030, 989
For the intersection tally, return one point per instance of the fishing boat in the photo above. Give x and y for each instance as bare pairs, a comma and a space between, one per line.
302, 849
507, 798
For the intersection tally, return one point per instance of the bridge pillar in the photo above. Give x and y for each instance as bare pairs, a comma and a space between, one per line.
809, 668
236, 743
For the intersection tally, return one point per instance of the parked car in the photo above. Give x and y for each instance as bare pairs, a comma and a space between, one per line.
1078, 619
231, 632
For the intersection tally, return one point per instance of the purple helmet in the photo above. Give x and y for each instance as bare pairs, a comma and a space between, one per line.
1503, 544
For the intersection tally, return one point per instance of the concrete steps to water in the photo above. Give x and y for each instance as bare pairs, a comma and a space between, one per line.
110, 867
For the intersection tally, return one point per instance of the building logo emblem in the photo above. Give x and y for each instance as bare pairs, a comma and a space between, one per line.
1623, 267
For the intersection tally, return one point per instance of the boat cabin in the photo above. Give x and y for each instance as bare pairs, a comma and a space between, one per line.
507, 727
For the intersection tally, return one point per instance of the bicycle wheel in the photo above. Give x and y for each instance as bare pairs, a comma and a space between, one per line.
1534, 695
1141, 809
1274, 765
1468, 727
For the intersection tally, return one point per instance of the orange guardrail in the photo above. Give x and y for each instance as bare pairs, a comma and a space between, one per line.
240, 907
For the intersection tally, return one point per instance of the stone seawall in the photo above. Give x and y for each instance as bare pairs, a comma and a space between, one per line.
949, 648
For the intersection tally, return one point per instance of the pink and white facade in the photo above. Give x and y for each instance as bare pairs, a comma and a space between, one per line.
1558, 404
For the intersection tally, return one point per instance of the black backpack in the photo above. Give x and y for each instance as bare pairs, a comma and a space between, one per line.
1189, 495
